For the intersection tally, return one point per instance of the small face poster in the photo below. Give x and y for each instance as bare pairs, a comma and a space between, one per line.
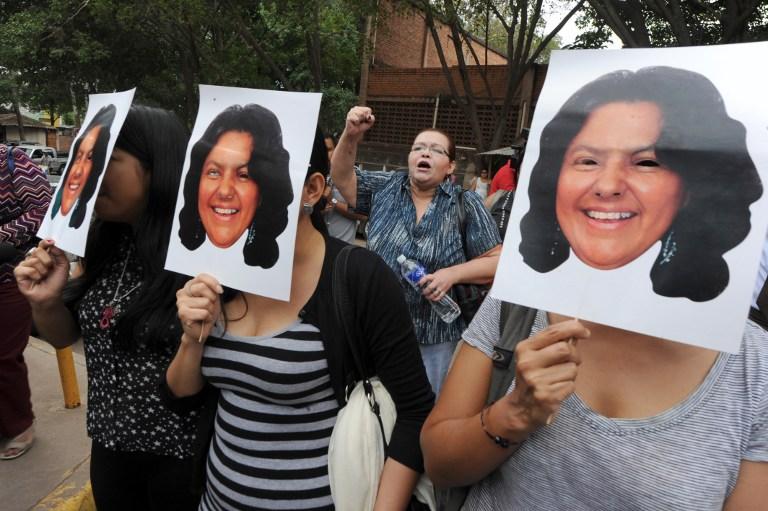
238, 206
69, 215
642, 200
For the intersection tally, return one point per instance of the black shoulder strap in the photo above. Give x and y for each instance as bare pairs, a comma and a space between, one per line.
344, 314
515, 323
343, 308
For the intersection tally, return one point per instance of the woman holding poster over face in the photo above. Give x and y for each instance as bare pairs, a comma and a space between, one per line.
271, 375
597, 417
123, 307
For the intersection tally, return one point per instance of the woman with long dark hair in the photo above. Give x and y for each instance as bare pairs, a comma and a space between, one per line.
690, 187
89, 155
272, 374
238, 181
123, 307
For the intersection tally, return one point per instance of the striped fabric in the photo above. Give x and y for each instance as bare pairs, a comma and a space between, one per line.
273, 424
686, 458
24, 197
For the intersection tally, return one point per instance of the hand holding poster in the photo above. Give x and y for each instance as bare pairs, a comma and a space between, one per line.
69, 215
236, 211
647, 172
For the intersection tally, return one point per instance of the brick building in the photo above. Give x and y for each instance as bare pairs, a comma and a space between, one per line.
408, 91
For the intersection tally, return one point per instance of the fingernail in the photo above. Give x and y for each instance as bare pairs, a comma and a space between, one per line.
219, 289
49, 240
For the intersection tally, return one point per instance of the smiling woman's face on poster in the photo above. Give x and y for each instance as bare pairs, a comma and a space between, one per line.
227, 197
238, 185
80, 170
614, 198
633, 158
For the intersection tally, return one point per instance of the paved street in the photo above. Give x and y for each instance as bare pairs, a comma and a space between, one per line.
53, 475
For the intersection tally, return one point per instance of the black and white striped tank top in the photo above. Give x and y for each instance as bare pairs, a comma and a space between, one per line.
273, 424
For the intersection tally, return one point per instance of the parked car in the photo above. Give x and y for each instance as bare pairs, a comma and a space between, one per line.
46, 157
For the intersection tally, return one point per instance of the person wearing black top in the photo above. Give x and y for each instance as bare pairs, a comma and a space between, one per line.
274, 373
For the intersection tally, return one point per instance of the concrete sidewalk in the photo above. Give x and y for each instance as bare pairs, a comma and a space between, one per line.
53, 475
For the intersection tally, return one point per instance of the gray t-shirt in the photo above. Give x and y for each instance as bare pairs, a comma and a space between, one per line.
686, 458
339, 226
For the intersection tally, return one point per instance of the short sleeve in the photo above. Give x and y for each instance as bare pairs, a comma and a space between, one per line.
368, 183
483, 332
757, 379
481, 234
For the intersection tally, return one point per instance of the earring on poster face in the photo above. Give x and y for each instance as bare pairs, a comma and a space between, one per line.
555, 243
668, 248
307, 208
251, 235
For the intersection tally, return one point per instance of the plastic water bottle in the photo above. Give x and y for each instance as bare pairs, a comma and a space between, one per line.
412, 271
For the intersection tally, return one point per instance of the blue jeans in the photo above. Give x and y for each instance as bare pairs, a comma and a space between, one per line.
437, 358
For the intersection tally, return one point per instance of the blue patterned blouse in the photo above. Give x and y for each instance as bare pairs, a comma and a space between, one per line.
435, 241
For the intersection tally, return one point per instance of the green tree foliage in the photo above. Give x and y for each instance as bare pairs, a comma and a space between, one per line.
646, 23
56, 52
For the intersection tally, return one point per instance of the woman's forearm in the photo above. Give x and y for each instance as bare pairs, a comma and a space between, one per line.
184, 374
395, 487
55, 324
458, 452
343, 167
479, 270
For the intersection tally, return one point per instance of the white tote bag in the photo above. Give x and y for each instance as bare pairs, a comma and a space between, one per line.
356, 452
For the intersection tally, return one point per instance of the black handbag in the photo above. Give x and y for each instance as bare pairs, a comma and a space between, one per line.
469, 297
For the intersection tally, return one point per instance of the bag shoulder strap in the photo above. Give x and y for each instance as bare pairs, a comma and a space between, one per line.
461, 214
343, 307
515, 323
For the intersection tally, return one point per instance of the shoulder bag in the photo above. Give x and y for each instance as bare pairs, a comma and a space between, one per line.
364, 426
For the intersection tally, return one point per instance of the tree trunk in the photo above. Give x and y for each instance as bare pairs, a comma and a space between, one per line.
17, 111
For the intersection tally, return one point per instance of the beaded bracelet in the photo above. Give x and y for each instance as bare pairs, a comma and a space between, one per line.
498, 440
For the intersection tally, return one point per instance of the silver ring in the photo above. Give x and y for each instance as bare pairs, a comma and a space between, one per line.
30, 252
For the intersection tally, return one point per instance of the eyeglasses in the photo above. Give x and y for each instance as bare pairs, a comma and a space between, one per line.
433, 149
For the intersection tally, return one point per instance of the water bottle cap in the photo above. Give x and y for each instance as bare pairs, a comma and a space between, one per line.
401, 259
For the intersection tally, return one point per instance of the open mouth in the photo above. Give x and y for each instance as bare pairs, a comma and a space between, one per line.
609, 216
423, 164
73, 186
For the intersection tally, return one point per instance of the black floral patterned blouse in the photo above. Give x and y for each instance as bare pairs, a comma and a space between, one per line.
124, 410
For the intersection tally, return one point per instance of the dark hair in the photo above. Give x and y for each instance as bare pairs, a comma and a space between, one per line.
268, 167
102, 119
158, 140
698, 141
451, 144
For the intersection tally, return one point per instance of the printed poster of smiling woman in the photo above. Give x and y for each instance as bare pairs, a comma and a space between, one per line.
69, 215
238, 205
642, 201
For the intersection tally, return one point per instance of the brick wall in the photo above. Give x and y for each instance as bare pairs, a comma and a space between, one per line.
431, 82
402, 40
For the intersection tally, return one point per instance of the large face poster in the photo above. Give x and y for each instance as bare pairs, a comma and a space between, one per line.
238, 206
69, 215
641, 202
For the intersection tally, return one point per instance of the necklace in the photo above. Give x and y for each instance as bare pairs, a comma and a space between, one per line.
113, 308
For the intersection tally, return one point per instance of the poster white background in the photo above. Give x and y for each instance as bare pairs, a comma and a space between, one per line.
68, 238
624, 297
297, 113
